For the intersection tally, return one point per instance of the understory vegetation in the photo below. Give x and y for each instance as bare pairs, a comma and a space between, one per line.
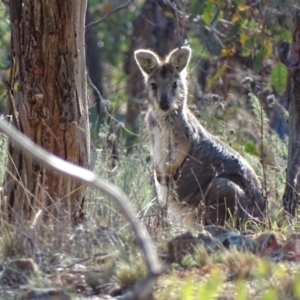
238, 87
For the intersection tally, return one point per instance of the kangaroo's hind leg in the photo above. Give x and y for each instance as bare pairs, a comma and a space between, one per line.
222, 199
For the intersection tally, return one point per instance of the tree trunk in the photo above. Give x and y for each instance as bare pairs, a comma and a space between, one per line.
292, 190
49, 105
94, 66
160, 27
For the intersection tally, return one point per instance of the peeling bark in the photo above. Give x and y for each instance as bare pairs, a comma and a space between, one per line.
292, 190
49, 91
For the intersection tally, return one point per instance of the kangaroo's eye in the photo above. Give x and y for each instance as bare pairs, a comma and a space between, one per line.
174, 85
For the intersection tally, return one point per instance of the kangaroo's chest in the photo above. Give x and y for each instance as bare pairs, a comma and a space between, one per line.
170, 146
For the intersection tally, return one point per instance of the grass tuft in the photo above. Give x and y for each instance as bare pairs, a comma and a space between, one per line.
127, 273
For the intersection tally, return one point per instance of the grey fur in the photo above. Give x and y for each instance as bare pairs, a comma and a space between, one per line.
191, 165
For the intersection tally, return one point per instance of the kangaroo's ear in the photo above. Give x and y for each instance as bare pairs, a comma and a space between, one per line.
179, 58
146, 60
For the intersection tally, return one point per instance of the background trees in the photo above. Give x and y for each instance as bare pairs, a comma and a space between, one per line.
291, 195
239, 87
240, 52
160, 26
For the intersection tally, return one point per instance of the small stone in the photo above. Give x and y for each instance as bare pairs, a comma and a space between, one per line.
78, 268
185, 243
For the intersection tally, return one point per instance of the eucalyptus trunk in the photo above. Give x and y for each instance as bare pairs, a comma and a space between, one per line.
48, 103
292, 190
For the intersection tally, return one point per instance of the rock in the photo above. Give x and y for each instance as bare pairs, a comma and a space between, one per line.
181, 245
215, 230
210, 242
45, 294
215, 238
291, 249
239, 242
269, 241
185, 243
18, 271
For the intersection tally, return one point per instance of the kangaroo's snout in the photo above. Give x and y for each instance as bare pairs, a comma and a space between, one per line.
164, 102
164, 106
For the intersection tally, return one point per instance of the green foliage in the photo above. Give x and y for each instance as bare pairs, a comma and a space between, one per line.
130, 272
5, 37
192, 287
187, 289
250, 33
279, 77
269, 294
188, 261
198, 49
275, 153
296, 286
251, 148
113, 32
211, 13
261, 55
219, 31
271, 140
4, 54
211, 288
241, 290
269, 280
201, 255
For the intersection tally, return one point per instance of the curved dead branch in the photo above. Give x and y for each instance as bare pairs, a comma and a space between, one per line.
154, 267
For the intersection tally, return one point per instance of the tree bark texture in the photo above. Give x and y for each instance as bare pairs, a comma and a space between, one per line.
49, 105
292, 190
160, 27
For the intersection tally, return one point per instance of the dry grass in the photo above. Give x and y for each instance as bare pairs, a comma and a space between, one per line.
102, 256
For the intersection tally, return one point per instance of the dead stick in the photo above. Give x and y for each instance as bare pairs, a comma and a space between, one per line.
153, 264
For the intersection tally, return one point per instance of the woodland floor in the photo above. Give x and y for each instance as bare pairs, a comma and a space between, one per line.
212, 264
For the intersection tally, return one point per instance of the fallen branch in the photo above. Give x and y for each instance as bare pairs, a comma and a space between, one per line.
154, 267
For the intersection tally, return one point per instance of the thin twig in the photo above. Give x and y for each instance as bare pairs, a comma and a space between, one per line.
108, 14
103, 102
12, 104
96, 255
154, 267
262, 129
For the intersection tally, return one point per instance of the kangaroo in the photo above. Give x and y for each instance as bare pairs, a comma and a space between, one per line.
191, 166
